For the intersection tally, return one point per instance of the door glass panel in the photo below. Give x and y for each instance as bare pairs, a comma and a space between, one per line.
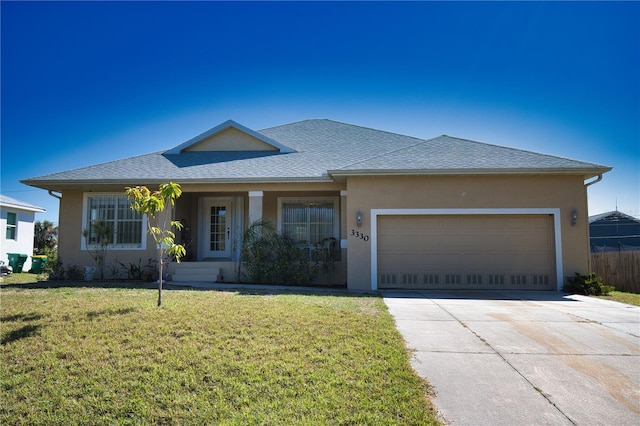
218, 231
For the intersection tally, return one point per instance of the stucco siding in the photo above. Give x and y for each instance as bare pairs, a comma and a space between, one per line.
70, 227
561, 192
565, 193
231, 140
187, 209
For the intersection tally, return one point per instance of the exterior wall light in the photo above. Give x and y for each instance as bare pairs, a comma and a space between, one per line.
359, 218
574, 217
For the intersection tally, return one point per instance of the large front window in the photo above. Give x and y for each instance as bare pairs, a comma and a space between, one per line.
309, 221
113, 211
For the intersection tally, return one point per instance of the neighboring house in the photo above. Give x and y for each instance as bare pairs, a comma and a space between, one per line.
16, 220
407, 212
614, 231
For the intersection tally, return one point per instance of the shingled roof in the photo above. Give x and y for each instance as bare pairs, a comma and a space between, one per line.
316, 150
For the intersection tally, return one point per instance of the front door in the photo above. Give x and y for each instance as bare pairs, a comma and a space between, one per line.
217, 228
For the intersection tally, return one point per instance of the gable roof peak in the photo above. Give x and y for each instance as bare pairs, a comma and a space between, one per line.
229, 124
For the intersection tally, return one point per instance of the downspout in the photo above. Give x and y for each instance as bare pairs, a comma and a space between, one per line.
59, 197
586, 185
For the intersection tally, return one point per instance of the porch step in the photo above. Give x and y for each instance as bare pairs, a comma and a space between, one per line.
195, 272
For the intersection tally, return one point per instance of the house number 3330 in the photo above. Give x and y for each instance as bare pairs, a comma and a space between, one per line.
359, 235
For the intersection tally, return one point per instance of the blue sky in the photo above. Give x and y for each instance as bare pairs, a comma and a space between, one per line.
84, 83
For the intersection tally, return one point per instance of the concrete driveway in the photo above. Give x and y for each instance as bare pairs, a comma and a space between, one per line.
524, 358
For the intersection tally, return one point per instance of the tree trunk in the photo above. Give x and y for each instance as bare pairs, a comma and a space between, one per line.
160, 278
100, 263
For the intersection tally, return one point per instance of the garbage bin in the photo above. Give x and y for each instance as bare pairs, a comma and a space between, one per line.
37, 264
17, 261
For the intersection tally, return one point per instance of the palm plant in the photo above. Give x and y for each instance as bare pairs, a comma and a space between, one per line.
45, 237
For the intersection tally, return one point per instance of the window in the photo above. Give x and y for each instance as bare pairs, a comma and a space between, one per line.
309, 221
12, 233
114, 211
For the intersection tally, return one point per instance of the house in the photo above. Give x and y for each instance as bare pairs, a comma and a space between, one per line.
614, 231
16, 220
407, 212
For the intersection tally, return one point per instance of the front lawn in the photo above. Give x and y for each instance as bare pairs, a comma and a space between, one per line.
21, 278
622, 297
79, 355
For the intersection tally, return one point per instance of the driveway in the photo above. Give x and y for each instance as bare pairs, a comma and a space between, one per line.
524, 358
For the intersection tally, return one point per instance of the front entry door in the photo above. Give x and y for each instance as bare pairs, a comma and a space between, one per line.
217, 228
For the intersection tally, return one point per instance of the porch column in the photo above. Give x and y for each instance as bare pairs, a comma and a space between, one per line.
255, 206
343, 219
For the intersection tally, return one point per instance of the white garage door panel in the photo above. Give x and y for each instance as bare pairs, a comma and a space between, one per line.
466, 251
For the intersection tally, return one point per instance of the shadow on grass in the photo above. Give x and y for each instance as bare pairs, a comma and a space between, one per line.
110, 312
248, 289
21, 317
21, 333
268, 289
79, 284
242, 289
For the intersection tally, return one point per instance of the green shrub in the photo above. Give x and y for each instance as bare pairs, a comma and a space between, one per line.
54, 268
589, 285
74, 273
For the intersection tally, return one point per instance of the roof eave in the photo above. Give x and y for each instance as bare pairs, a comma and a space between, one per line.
585, 172
88, 184
25, 208
331, 176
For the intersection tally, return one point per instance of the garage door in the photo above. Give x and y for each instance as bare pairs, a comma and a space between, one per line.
466, 251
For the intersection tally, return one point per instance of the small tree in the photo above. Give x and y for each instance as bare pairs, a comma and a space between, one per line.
159, 225
97, 239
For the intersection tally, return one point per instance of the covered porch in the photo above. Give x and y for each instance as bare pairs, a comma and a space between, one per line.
214, 223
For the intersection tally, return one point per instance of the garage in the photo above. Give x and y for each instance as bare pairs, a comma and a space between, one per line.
466, 251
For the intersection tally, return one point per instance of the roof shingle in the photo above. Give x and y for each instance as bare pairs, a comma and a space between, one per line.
318, 148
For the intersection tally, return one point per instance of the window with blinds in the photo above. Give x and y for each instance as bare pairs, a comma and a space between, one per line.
114, 210
308, 221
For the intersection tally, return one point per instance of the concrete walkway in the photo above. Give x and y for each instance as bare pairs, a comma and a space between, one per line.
524, 358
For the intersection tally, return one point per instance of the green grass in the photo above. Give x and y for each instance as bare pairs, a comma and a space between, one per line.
619, 296
21, 278
78, 355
